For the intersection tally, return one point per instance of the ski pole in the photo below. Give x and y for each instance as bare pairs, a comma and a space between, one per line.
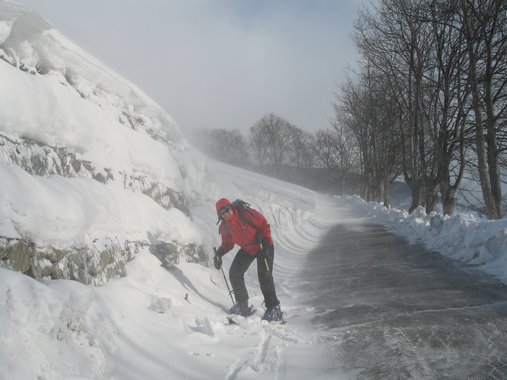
267, 265
229, 289
226, 282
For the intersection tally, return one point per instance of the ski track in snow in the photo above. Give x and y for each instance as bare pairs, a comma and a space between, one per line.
266, 355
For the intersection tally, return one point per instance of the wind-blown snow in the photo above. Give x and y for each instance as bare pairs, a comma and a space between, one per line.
157, 323
160, 324
154, 323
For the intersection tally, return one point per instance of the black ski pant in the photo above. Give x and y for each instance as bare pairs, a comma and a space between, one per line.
240, 265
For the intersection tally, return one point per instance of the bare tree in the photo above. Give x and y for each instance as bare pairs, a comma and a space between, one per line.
447, 94
271, 139
484, 29
301, 154
325, 149
396, 44
443, 62
371, 116
259, 143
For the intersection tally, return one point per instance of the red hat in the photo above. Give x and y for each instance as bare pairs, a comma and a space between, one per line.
221, 204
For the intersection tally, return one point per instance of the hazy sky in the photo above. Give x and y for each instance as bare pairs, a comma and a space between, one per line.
220, 63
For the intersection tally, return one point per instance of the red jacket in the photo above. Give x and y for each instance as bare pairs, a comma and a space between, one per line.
245, 230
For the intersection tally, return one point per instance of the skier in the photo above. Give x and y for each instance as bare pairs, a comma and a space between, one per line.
249, 229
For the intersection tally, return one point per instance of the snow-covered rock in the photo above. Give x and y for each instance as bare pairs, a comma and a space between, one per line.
91, 167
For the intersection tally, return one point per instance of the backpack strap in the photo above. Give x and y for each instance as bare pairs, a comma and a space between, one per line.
241, 213
242, 208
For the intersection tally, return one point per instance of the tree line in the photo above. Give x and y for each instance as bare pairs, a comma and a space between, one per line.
429, 100
323, 160
427, 104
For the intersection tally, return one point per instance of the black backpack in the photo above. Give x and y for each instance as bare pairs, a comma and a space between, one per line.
240, 205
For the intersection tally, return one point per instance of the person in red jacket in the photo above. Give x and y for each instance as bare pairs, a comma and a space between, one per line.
249, 229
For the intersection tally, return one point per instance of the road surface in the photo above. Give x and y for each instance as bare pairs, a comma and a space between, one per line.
390, 310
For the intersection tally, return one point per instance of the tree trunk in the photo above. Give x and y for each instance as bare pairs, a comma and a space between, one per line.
449, 202
431, 198
491, 140
416, 195
482, 164
386, 189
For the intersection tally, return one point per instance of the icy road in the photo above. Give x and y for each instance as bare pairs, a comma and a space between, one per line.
383, 308
390, 310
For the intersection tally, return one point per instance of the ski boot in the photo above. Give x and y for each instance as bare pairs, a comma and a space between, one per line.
273, 314
241, 309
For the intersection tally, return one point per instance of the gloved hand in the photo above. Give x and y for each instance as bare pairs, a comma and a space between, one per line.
217, 260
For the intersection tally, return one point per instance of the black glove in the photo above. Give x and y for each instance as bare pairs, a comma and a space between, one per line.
217, 260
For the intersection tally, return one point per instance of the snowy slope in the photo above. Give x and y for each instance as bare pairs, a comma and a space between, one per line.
170, 324
92, 166
159, 324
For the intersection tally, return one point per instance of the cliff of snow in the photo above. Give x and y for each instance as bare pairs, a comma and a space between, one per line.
90, 167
